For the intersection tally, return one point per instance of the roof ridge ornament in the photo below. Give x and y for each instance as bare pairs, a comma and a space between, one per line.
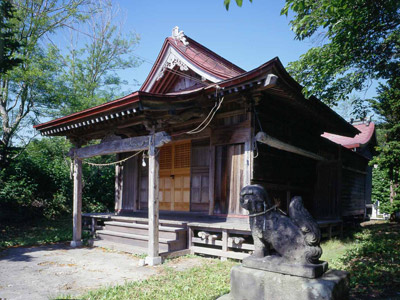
179, 35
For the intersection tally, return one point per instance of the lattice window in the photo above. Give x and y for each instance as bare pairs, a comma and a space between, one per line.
182, 156
166, 157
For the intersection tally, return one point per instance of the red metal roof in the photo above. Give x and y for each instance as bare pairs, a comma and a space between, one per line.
365, 135
198, 55
105, 107
207, 59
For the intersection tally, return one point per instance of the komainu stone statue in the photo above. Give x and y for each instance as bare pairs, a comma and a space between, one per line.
285, 264
295, 238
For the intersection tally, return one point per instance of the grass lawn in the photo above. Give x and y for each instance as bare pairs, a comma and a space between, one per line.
208, 281
372, 256
37, 233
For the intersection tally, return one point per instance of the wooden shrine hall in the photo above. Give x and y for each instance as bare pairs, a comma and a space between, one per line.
198, 130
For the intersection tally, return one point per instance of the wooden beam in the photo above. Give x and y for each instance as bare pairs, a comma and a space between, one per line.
153, 257
120, 146
262, 137
77, 204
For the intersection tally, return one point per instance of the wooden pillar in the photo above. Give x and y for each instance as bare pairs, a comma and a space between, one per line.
211, 181
77, 204
118, 185
224, 256
153, 257
248, 152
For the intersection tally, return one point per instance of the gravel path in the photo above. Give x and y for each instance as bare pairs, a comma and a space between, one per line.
48, 271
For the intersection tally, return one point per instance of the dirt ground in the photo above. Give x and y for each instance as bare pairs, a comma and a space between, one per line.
49, 271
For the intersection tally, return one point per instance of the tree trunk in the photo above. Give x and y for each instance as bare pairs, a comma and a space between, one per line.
4, 150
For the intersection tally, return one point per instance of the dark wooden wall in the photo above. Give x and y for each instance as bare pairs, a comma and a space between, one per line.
331, 188
200, 167
130, 186
229, 175
356, 183
126, 183
282, 173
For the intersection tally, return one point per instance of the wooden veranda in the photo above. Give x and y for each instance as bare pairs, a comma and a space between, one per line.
224, 237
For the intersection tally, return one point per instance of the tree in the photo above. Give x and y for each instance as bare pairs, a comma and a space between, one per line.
52, 81
358, 41
88, 70
387, 104
25, 89
9, 43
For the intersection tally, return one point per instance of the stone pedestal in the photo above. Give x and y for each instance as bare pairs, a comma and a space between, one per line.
253, 284
276, 264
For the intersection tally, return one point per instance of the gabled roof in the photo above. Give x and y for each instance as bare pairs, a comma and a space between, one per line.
270, 77
365, 136
180, 54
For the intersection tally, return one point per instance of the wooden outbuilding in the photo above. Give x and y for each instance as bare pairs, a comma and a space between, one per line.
198, 130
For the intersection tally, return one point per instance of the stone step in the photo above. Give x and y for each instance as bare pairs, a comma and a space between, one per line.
167, 232
138, 240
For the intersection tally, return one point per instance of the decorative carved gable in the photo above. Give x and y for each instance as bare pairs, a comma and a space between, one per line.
172, 62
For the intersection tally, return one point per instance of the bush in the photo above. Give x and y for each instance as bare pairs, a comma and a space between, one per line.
38, 183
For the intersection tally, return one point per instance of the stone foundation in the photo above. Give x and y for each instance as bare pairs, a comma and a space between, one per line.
252, 284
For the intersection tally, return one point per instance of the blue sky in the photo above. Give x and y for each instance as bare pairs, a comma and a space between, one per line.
247, 36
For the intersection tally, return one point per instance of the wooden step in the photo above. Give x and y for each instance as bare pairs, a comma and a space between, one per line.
140, 240
140, 220
120, 247
167, 232
136, 249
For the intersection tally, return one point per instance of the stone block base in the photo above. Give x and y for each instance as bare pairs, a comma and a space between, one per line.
153, 261
252, 284
75, 244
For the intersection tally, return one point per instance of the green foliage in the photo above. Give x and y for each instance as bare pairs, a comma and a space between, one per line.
54, 82
9, 42
373, 261
381, 188
38, 233
387, 104
38, 183
238, 3
27, 89
359, 41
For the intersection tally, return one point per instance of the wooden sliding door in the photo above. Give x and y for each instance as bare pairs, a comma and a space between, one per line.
200, 162
229, 178
175, 176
